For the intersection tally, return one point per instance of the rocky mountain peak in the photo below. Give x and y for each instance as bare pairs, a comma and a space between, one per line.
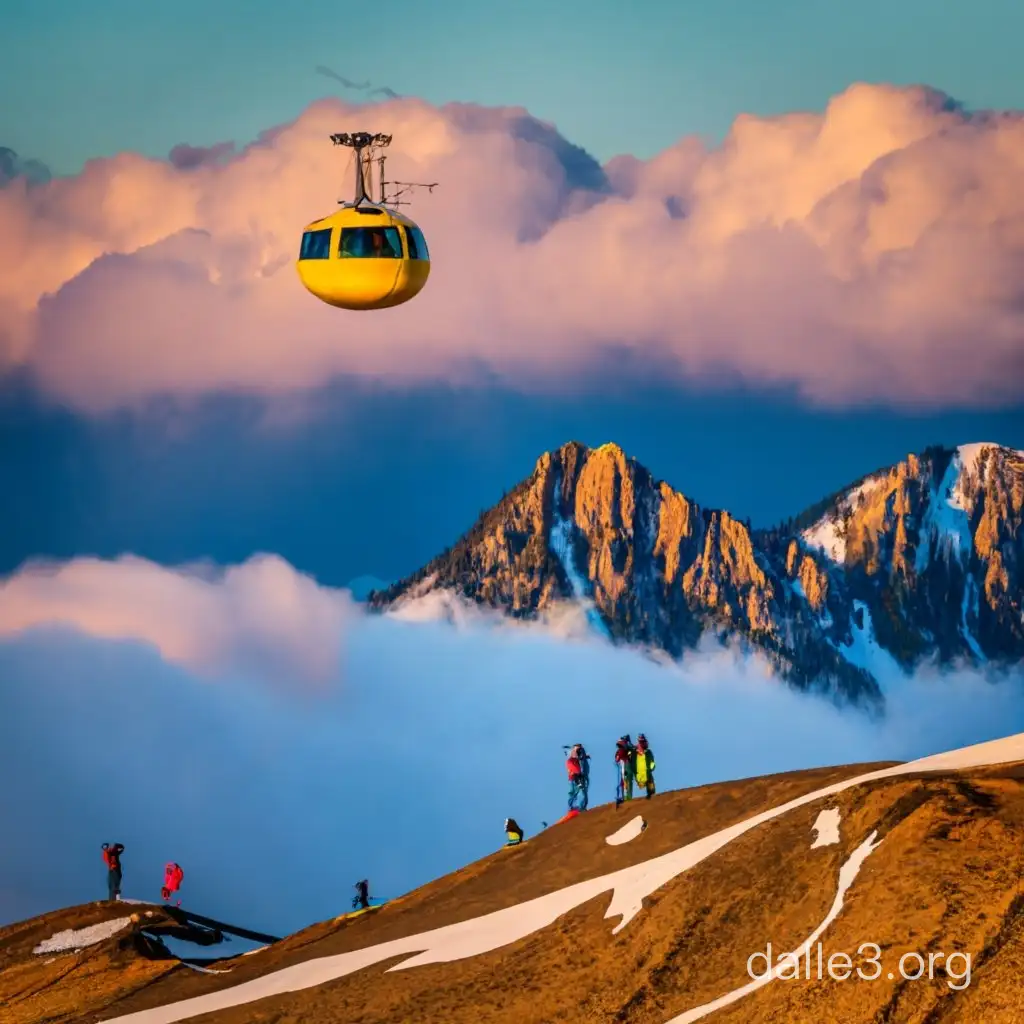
920, 559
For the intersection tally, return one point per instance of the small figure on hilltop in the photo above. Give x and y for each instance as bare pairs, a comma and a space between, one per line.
584, 758
625, 763
644, 765
577, 767
362, 896
172, 881
513, 831
112, 858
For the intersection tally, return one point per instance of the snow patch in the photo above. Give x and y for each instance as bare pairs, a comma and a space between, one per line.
970, 454
628, 831
826, 534
826, 825
79, 938
825, 537
945, 526
969, 606
864, 651
847, 873
561, 545
629, 887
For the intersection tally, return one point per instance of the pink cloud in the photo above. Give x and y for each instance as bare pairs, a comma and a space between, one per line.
873, 252
262, 617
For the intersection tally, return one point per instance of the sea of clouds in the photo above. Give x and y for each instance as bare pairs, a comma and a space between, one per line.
280, 743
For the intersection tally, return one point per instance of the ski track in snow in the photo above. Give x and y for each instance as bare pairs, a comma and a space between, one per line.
827, 827
847, 873
629, 886
628, 831
79, 938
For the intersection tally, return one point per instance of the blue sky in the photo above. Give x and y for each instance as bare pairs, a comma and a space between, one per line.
382, 481
92, 79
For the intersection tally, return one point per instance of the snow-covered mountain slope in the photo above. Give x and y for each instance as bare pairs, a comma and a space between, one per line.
934, 548
918, 560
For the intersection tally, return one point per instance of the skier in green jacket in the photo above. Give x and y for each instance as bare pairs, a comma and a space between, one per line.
643, 760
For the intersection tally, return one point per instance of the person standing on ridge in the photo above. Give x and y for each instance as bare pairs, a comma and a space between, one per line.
574, 769
112, 858
513, 831
362, 896
625, 764
584, 759
644, 770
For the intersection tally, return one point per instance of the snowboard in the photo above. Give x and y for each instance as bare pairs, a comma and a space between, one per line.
357, 913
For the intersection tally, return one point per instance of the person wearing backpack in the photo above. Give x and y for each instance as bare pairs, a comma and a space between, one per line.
625, 763
644, 765
513, 831
112, 858
574, 769
362, 896
584, 759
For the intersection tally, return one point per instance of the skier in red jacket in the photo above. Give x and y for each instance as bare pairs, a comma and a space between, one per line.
172, 880
112, 858
625, 754
578, 770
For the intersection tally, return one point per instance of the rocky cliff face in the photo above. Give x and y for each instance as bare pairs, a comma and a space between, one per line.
934, 548
918, 560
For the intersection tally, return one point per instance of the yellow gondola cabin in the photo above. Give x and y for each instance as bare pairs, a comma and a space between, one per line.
366, 255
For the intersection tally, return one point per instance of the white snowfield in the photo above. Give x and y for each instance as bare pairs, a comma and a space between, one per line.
628, 886
79, 938
628, 831
827, 826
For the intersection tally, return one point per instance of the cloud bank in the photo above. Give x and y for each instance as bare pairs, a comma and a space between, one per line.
873, 252
259, 619
276, 796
